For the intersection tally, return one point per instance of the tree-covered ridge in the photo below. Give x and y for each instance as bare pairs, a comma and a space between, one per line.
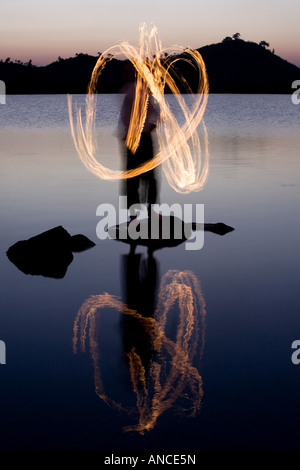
233, 66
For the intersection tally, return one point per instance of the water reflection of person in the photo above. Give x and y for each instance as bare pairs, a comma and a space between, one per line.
139, 274
142, 188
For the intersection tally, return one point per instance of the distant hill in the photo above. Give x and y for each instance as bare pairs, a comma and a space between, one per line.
237, 66
233, 66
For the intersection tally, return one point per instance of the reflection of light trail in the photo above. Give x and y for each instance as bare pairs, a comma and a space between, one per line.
179, 147
172, 375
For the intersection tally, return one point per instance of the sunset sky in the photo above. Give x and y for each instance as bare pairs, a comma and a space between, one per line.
42, 30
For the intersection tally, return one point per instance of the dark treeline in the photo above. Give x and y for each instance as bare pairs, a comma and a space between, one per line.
233, 66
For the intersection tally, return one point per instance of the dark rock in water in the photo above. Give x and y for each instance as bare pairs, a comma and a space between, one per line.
80, 243
218, 228
169, 232
48, 254
173, 233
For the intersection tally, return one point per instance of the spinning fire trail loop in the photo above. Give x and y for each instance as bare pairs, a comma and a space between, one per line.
184, 160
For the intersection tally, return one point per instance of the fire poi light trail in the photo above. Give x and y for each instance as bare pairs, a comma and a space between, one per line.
173, 373
184, 161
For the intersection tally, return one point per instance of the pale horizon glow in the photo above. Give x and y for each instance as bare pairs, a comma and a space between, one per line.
43, 30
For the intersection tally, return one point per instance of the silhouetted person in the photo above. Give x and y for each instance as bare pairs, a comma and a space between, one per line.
139, 275
143, 188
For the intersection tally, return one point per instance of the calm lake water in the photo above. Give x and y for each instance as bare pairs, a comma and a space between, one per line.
206, 361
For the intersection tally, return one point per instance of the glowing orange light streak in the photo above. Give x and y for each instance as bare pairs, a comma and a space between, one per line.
184, 162
172, 370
